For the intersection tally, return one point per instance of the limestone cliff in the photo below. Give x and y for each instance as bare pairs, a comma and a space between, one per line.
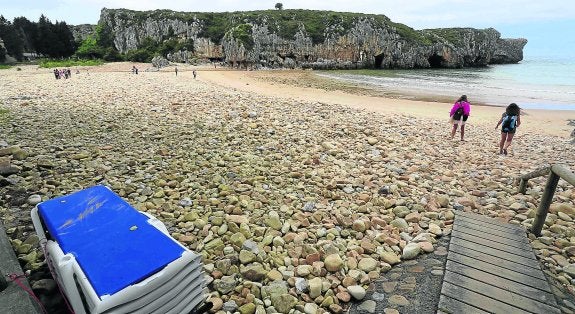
310, 39
82, 31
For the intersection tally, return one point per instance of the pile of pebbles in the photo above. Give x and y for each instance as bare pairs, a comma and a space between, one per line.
295, 206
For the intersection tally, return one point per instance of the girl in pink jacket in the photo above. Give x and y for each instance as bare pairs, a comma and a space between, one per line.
459, 114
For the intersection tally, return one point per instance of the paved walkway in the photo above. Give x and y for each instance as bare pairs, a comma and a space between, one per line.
13, 299
410, 287
481, 266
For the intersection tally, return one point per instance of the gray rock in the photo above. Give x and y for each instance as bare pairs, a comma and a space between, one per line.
378, 297
160, 62
34, 199
367, 306
357, 292
230, 306
410, 251
301, 285
225, 285
309, 207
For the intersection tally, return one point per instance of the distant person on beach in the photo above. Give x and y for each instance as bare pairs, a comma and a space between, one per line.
509, 122
459, 114
176, 69
194, 74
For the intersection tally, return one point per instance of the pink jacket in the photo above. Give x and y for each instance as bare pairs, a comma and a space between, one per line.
466, 108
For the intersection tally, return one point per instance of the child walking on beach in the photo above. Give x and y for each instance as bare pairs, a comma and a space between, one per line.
459, 114
509, 122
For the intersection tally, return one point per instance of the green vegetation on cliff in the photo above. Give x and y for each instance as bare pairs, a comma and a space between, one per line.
285, 23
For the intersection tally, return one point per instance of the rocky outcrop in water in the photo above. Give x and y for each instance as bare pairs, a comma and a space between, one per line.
310, 39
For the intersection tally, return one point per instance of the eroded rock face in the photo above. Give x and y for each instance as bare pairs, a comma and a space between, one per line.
362, 41
509, 51
82, 31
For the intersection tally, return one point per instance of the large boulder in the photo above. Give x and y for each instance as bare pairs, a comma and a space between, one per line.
160, 62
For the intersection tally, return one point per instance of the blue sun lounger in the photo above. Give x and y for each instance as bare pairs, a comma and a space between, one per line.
111, 258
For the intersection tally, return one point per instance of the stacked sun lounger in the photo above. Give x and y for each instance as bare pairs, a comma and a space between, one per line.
110, 258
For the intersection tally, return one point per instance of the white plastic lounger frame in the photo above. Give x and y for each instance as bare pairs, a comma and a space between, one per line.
178, 288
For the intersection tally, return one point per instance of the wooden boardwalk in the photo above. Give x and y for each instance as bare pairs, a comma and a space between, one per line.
491, 268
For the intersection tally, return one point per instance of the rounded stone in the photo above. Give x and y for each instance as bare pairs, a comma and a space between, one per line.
333, 263
34, 199
367, 264
357, 292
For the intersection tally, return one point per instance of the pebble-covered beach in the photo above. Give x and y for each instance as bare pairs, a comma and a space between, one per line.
296, 206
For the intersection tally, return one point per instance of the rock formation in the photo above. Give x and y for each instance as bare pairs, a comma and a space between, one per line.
310, 39
82, 31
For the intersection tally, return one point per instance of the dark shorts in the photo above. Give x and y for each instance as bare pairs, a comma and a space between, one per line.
510, 132
457, 117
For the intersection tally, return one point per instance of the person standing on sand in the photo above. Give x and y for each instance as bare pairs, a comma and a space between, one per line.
194, 74
509, 122
459, 114
176, 71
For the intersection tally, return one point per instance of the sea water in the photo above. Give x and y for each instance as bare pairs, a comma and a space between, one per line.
537, 82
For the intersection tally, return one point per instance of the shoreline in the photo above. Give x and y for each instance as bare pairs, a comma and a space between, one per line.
310, 87
307, 85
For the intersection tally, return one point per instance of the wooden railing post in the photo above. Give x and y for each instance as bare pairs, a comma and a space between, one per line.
522, 186
541, 214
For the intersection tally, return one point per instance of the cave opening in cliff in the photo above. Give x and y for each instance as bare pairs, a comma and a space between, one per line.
436, 61
379, 61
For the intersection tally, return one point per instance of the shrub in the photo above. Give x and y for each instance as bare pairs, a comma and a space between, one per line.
4, 116
68, 63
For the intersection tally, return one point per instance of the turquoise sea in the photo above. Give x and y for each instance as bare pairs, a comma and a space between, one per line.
534, 83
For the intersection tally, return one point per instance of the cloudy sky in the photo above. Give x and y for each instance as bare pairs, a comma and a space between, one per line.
543, 23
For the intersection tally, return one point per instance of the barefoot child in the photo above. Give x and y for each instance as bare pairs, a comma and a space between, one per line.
509, 122
459, 114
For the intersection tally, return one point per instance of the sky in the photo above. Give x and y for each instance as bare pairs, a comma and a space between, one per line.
548, 25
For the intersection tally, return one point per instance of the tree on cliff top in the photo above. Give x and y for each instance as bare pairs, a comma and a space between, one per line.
279, 6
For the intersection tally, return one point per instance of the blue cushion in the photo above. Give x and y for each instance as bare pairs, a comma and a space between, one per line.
113, 243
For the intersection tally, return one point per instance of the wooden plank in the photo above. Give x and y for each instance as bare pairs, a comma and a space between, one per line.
478, 300
470, 233
481, 218
498, 271
489, 225
495, 245
509, 285
494, 260
464, 225
533, 263
498, 294
454, 306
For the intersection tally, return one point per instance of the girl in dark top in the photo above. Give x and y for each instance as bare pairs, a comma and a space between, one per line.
509, 122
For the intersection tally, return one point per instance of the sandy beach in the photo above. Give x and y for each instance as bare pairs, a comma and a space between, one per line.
269, 83
299, 192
